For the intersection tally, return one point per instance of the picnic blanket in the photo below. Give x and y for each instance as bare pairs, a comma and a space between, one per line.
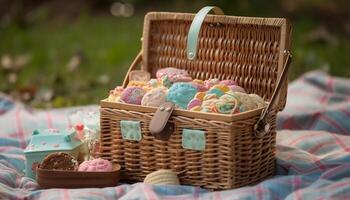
313, 160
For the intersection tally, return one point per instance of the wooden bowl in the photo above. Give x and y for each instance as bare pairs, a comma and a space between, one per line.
75, 179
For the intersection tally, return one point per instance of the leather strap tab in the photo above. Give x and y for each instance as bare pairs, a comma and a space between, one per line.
159, 125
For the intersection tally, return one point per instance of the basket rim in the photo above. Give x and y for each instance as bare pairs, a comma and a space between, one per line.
185, 113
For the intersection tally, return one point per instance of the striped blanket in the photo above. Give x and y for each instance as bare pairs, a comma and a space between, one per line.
313, 159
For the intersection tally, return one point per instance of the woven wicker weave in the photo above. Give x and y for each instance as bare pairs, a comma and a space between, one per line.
247, 50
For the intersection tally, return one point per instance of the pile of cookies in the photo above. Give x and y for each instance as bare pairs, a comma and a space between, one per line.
177, 86
65, 162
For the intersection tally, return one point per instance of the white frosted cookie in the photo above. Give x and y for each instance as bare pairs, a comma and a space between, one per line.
154, 97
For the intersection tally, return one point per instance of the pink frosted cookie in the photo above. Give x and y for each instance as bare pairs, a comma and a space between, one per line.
96, 165
228, 82
173, 74
236, 88
199, 84
194, 103
211, 82
133, 95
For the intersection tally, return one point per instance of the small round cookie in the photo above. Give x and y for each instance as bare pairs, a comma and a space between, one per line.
114, 95
258, 100
210, 96
225, 107
165, 81
59, 161
246, 101
179, 78
96, 165
211, 82
137, 84
228, 82
172, 73
154, 97
133, 95
200, 95
196, 108
193, 103
181, 94
236, 88
223, 88
199, 84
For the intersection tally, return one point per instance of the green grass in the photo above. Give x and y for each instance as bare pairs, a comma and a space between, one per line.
109, 46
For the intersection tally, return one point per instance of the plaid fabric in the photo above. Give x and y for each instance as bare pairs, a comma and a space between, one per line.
317, 101
311, 164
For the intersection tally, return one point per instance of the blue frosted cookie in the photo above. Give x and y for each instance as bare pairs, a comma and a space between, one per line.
181, 94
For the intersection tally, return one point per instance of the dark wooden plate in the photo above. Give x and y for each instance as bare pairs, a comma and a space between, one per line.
74, 179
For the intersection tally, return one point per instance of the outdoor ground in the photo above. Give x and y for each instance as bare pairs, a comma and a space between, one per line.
75, 61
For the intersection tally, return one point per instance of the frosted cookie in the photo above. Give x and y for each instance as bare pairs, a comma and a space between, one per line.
236, 88
258, 100
181, 94
211, 82
194, 103
137, 84
133, 95
200, 85
165, 81
228, 82
59, 161
246, 102
114, 95
96, 165
154, 97
173, 73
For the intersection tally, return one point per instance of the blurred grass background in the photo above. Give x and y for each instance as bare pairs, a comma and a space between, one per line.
63, 53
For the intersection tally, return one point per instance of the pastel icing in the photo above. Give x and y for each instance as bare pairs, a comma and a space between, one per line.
114, 95
165, 81
228, 82
258, 100
194, 103
133, 95
216, 91
96, 165
211, 82
201, 87
172, 73
200, 95
154, 97
236, 88
181, 94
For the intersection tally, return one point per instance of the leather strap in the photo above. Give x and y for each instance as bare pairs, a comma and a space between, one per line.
159, 125
193, 33
262, 127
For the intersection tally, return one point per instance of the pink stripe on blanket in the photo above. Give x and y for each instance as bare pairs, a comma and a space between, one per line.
149, 193
333, 123
303, 137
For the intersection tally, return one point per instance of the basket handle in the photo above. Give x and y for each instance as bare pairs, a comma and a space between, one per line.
262, 127
193, 33
133, 65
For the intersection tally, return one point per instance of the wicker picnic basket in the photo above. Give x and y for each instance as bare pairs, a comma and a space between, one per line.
240, 148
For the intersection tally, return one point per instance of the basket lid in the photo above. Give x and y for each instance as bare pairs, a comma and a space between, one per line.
247, 50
